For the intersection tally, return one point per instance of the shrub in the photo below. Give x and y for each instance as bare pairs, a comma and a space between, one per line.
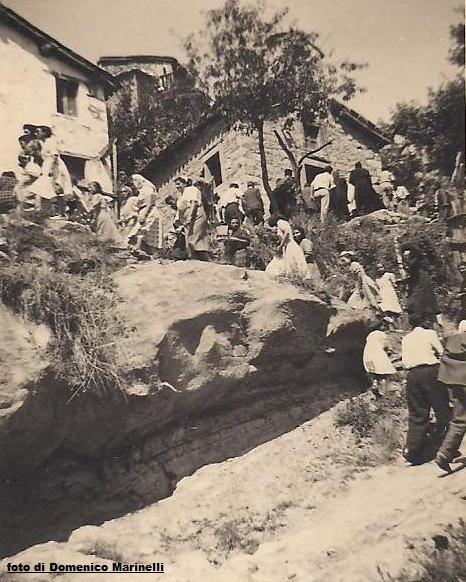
357, 415
381, 422
81, 312
262, 247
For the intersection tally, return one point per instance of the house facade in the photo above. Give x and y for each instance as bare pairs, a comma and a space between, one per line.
43, 82
224, 154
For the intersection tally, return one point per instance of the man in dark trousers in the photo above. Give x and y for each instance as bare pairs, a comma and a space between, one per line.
252, 203
452, 373
366, 198
420, 352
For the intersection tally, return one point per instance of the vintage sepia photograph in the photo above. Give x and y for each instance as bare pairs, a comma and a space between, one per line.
232, 291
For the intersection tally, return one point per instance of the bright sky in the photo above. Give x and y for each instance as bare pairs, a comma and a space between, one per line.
405, 42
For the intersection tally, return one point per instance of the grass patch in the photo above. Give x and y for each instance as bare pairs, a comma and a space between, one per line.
379, 423
80, 309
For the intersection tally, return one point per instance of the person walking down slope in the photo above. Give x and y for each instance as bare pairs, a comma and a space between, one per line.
366, 293
452, 373
376, 361
420, 353
386, 282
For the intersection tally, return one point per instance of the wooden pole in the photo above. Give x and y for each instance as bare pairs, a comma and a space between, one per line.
115, 178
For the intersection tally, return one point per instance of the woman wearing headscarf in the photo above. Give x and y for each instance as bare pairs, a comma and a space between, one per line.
105, 227
289, 260
366, 293
192, 216
147, 226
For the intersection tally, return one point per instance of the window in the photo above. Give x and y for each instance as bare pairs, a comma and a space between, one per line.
75, 167
67, 92
215, 168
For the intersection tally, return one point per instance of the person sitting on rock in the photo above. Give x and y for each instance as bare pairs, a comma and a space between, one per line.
236, 244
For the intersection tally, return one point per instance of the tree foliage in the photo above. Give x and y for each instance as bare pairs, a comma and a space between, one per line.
145, 123
257, 68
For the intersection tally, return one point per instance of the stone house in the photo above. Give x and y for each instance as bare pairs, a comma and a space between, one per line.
217, 150
43, 82
165, 70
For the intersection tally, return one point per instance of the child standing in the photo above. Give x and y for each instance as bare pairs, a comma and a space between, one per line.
376, 361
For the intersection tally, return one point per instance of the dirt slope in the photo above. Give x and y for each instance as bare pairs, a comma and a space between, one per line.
304, 507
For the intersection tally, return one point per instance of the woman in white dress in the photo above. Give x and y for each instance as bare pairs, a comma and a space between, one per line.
289, 260
386, 282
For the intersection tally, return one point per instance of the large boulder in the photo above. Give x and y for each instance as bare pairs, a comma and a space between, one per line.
216, 360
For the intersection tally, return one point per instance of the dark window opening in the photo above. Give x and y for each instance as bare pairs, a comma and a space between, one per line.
311, 172
67, 92
75, 167
215, 168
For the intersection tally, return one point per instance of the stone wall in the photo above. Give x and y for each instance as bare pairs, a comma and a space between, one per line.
240, 159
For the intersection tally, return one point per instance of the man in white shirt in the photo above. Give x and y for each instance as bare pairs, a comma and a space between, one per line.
321, 186
229, 204
420, 353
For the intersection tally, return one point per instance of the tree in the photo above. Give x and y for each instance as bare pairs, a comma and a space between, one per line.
258, 69
456, 55
146, 122
438, 127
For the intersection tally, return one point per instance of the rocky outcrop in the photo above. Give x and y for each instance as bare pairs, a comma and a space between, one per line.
217, 360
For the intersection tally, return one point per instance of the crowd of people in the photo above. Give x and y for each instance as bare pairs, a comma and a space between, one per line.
435, 373
130, 219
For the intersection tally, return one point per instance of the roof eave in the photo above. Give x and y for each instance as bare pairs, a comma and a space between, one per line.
21, 24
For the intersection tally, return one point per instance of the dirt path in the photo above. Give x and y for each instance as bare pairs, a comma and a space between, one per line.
304, 507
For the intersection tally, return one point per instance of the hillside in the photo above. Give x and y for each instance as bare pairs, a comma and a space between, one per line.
305, 507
